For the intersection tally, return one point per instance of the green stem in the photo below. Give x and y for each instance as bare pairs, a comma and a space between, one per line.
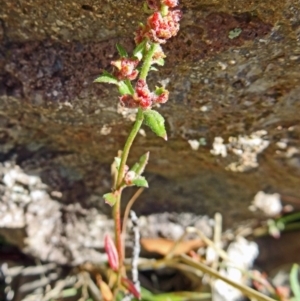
118, 242
116, 209
118, 183
148, 61
136, 127
164, 10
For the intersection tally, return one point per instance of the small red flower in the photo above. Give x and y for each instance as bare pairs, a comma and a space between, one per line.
139, 35
162, 98
160, 28
142, 94
127, 101
170, 3
141, 98
159, 54
141, 89
126, 68
163, 28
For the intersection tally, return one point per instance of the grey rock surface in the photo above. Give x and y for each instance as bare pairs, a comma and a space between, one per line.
233, 116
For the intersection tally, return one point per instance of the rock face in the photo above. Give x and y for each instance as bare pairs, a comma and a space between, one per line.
233, 115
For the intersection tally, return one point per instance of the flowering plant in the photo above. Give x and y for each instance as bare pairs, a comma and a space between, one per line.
161, 25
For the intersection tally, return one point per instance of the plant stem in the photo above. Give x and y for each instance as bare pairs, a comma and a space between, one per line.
118, 183
148, 61
116, 209
136, 127
118, 242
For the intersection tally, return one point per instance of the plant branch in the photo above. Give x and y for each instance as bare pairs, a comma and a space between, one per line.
136, 127
126, 213
148, 60
248, 291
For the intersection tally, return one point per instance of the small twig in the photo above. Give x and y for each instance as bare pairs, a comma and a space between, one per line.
249, 292
209, 242
93, 289
205, 239
175, 245
126, 214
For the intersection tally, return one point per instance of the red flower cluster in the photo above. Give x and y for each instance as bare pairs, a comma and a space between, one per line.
126, 68
163, 28
142, 97
160, 27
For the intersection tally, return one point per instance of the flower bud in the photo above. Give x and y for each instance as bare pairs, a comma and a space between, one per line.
170, 3
111, 251
126, 68
129, 177
162, 97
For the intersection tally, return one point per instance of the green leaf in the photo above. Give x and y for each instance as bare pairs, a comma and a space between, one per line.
121, 50
106, 78
156, 123
159, 90
117, 162
159, 62
153, 68
138, 52
294, 281
110, 198
142, 163
139, 167
129, 85
140, 182
125, 88
69, 292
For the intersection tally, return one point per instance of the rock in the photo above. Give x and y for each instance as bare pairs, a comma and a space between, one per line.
42, 227
58, 125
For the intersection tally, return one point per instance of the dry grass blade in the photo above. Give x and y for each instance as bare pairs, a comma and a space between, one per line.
169, 248
249, 292
203, 237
